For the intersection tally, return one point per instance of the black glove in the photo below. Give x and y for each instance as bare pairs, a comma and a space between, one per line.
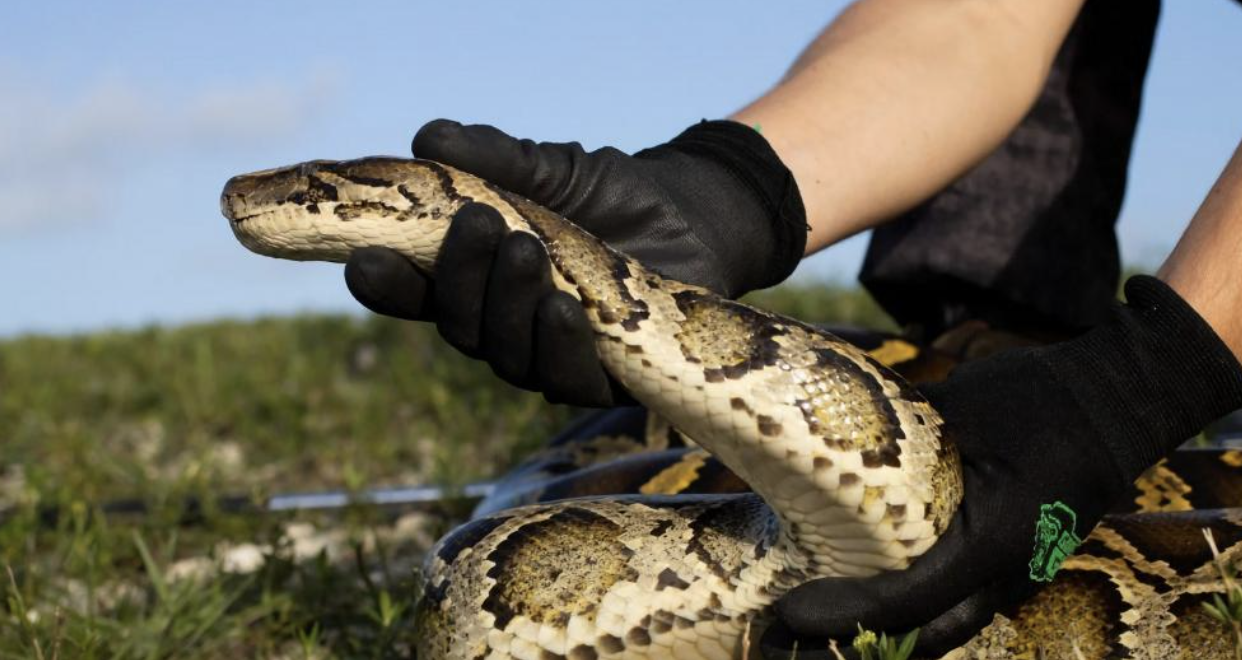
1050, 438
713, 207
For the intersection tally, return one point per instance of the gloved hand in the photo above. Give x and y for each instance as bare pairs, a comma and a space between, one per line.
1049, 438
713, 207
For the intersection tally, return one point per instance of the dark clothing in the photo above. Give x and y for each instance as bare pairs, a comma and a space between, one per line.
1026, 237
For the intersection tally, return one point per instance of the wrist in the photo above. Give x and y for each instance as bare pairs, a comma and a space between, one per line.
1151, 377
1202, 268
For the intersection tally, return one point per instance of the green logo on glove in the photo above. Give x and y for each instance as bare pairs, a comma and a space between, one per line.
1056, 538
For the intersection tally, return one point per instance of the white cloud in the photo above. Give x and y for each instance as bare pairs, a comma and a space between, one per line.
60, 157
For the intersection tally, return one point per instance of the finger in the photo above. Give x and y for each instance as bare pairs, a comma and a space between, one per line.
387, 283
898, 600
520, 278
780, 643
567, 368
538, 171
945, 633
963, 621
462, 270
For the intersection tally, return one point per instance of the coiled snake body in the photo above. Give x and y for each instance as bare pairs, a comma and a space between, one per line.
849, 470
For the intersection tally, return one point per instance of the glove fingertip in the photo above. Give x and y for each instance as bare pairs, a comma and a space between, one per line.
484, 151
835, 607
519, 279
829, 607
536, 171
386, 283
524, 254
367, 264
963, 621
569, 370
778, 642
476, 232
481, 213
463, 270
434, 137
562, 314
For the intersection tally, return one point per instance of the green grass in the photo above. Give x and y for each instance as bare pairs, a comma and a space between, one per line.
282, 404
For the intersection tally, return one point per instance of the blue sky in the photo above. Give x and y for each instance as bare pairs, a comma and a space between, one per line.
120, 121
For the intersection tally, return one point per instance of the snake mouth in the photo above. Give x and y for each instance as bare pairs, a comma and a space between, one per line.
233, 203
239, 219
247, 196
230, 209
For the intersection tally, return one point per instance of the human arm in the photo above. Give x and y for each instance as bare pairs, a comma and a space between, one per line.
1204, 267
713, 207
896, 98
885, 106
1071, 423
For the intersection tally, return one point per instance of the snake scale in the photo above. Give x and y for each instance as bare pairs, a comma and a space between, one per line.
846, 469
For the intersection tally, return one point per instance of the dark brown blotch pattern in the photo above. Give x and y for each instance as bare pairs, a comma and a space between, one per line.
726, 339
872, 429
597, 271
315, 190
721, 534
768, 426
611, 644
352, 210
557, 567
638, 637
668, 578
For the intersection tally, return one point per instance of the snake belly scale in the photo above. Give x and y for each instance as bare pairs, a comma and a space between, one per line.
849, 469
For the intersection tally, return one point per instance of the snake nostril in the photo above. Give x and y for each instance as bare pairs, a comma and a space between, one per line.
232, 206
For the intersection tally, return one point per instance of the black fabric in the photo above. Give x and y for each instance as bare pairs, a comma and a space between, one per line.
1026, 237
755, 166
1073, 423
1154, 381
713, 207
492, 299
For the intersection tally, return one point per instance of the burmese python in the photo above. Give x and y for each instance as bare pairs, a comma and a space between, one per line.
849, 472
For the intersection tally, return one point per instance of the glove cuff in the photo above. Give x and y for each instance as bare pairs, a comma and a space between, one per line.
751, 161
1149, 378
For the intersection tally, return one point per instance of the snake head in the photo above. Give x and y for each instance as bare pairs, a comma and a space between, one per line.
322, 210
252, 195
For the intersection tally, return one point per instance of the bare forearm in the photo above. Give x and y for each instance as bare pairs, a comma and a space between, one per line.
1206, 266
898, 97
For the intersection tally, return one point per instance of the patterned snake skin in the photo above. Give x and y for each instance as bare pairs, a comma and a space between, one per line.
1135, 589
844, 468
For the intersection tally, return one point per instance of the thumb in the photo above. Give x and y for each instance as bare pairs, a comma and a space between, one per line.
778, 642
956, 626
538, 171
943, 634
897, 600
